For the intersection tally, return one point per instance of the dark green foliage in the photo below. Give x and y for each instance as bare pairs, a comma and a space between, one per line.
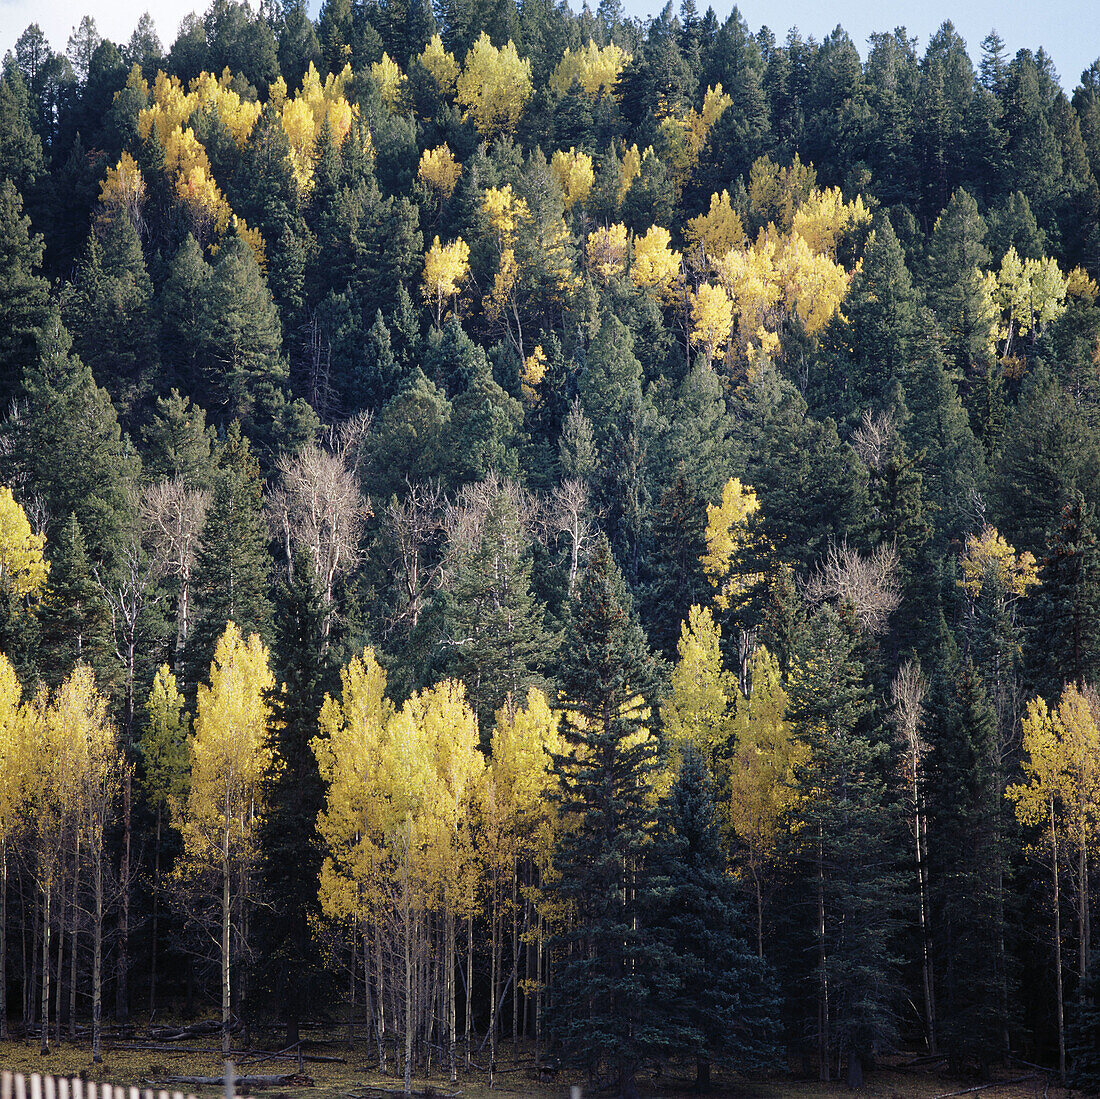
722, 1005
1083, 1033
178, 443
967, 864
291, 969
496, 641
71, 447
23, 292
604, 1003
846, 844
108, 311
233, 564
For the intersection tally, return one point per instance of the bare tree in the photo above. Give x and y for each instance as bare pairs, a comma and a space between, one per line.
319, 506
414, 527
567, 515
869, 585
907, 693
172, 516
873, 439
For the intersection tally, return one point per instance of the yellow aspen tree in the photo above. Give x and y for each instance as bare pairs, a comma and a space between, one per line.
595, 70
80, 714
441, 64
824, 218
534, 370
761, 775
699, 709
714, 233
629, 169
776, 193
494, 86
229, 755
164, 754
16, 748
390, 80
711, 319
606, 251
1060, 795
655, 267
1046, 290
1012, 299
123, 191
439, 171
574, 174
989, 559
445, 266
522, 781
23, 570
448, 731
351, 751
727, 535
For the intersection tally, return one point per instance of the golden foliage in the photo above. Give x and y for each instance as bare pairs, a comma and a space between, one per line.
574, 174
714, 233
494, 86
606, 251
595, 70
711, 318
824, 217
776, 193
655, 267
726, 535
440, 171
23, 571
445, 266
441, 64
534, 370
390, 80
989, 559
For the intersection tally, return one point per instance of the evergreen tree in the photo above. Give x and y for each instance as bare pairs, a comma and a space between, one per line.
965, 855
600, 1010
290, 964
73, 450
497, 640
722, 1006
75, 620
1083, 1033
24, 294
846, 842
233, 564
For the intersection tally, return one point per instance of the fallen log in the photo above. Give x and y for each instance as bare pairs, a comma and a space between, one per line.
983, 1087
245, 1083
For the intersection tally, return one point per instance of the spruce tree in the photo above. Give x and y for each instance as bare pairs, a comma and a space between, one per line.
845, 839
24, 294
290, 967
233, 564
600, 1008
75, 619
722, 1006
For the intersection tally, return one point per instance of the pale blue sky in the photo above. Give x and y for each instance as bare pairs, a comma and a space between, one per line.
1068, 29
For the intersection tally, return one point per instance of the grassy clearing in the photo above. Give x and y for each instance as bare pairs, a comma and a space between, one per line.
351, 1080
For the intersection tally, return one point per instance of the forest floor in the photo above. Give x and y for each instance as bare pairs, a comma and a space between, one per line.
357, 1077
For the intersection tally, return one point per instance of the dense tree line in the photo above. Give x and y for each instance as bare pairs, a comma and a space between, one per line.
535, 527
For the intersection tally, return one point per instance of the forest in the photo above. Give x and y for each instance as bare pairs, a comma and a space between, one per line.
525, 529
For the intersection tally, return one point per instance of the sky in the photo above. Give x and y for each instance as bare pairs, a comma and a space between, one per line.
1069, 30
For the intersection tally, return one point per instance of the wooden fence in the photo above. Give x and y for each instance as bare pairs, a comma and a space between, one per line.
14, 1085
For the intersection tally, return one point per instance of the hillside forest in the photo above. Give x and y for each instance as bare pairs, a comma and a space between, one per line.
535, 530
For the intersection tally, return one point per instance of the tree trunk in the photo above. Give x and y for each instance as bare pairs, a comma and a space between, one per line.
97, 958
3, 939
407, 903
74, 935
925, 929
1058, 951
469, 983
823, 979
452, 1021
156, 914
122, 994
225, 936
45, 1004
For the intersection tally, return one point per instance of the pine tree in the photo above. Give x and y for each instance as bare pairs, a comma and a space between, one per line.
601, 1013
290, 966
24, 294
845, 841
233, 565
965, 851
722, 1006
75, 619
73, 450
